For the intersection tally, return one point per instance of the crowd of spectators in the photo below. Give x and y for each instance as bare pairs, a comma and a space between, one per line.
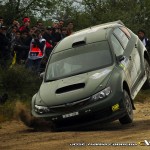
31, 45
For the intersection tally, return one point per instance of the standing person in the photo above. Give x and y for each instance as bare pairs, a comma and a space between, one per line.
49, 40
61, 24
56, 32
15, 25
144, 39
49, 47
36, 52
64, 32
39, 24
21, 46
26, 25
70, 27
4, 47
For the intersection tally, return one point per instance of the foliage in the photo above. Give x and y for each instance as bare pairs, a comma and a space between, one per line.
134, 13
19, 82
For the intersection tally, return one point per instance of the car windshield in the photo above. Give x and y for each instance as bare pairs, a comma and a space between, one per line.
78, 60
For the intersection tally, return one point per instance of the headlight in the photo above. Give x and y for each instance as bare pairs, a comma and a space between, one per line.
102, 94
41, 109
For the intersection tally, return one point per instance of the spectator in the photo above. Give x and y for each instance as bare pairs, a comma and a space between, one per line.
26, 24
49, 40
56, 33
70, 27
36, 52
21, 47
64, 32
4, 47
55, 24
16, 23
61, 24
49, 47
39, 24
32, 30
144, 39
12, 29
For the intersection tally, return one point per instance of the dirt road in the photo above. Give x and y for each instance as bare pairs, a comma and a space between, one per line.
15, 135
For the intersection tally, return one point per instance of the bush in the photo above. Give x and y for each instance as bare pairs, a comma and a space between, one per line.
19, 82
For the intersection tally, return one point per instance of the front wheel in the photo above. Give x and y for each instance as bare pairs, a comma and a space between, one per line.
128, 118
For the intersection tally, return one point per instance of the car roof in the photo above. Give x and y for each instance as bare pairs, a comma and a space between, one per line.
88, 35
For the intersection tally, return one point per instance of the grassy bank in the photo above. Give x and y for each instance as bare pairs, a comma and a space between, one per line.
20, 84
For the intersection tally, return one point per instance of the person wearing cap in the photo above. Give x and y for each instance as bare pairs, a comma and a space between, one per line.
26, 24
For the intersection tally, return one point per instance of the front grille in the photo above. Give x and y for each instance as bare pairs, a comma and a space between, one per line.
69, 107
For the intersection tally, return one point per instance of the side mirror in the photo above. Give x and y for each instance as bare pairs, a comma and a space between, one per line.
42, 75
120, 58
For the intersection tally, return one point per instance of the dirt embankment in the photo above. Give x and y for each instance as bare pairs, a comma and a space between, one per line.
15, 135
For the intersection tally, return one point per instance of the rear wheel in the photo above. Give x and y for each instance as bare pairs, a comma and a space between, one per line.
128, 118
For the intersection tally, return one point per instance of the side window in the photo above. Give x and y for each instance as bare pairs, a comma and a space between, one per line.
121, 37
118, 49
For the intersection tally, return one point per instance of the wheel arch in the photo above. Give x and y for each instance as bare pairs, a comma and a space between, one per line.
126, 87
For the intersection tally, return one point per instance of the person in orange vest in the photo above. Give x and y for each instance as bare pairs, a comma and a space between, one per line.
36, 52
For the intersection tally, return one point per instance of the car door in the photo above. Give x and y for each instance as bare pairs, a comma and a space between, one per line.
137, 60
135, 53
130, 69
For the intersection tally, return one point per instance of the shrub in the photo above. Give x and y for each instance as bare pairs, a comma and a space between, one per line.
19, 82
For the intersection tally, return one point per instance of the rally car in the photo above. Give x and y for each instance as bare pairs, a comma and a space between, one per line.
93, 76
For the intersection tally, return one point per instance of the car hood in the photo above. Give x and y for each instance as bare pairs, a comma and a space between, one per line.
74, 88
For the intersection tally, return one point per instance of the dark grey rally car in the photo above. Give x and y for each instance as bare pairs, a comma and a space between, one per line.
93, 76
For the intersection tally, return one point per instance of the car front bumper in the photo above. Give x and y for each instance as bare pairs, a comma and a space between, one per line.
100, 112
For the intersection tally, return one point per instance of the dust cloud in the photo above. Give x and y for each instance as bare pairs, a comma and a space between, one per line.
23, 113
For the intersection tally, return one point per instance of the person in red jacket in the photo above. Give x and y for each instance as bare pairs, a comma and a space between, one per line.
26, 25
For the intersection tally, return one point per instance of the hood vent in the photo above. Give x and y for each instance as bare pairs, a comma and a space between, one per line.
79, 42
70, 88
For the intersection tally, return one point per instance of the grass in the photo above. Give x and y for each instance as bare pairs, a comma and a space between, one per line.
20, 84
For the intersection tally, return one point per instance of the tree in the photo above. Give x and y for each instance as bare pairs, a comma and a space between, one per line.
16, 9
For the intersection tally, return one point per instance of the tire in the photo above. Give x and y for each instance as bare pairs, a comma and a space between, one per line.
147, 71
128, 118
